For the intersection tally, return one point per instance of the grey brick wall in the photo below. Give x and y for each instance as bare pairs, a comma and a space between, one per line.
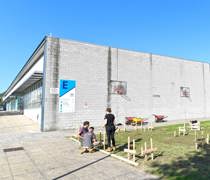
87, 64
50, 80
134, 68
150, 75
153, 84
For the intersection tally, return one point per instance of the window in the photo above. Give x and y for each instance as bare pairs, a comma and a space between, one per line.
33, 95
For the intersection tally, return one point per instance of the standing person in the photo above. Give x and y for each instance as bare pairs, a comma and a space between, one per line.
110, 129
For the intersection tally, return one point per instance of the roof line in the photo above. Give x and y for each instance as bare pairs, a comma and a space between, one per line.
136, 51
27, 62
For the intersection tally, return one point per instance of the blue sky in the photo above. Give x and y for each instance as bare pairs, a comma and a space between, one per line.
177, 28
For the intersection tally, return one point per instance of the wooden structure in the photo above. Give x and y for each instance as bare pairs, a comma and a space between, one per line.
131, 152
150, 126
102, 142
182, 130
199, 142
207, 139
195, 125
108, 153
145, 152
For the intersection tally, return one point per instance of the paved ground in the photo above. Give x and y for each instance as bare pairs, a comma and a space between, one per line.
50, 155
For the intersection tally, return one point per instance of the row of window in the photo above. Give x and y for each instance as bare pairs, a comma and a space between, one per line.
12, 105
32, 96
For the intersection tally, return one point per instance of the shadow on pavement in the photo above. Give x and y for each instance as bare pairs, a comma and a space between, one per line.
82, 167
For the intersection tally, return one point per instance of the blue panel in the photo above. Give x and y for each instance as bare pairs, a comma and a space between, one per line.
66, 86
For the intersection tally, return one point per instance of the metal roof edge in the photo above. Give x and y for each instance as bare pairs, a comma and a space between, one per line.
27, 62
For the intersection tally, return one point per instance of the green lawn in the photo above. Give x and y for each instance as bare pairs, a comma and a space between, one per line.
176, 157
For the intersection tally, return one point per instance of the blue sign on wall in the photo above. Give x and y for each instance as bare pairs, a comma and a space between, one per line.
67, 96
66, 86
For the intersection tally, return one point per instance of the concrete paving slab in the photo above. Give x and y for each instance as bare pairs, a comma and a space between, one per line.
50, 155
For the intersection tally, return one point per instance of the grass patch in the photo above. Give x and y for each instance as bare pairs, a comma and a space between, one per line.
177, 158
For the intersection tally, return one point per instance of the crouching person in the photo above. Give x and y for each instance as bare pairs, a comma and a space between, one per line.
89, 141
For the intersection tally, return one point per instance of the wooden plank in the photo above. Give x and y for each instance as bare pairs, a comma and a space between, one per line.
149, 151
112, 155
129, 141
142, 151
151, 143
134, 149
100, 137
75, 140
207, 139
152, 156
119, 157
130, 151
196, 146
104, 138
125, 160
145, 146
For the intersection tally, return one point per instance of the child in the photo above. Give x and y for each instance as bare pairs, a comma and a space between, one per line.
83, 130
89, 140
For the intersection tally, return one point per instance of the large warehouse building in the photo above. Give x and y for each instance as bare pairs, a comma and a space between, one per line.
65, 83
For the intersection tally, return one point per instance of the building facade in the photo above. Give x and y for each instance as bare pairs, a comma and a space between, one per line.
66, 82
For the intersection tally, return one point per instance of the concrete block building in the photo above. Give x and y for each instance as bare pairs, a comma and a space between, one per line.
65, 82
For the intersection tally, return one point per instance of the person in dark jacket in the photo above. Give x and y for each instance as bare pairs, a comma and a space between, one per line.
110, 129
